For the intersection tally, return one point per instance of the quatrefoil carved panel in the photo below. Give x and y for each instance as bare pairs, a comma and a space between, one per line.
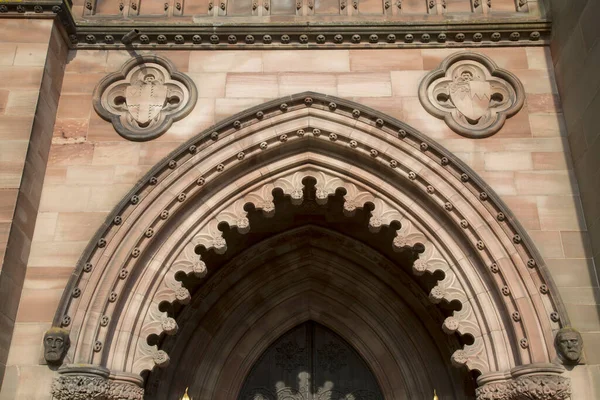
471, 94
145, 97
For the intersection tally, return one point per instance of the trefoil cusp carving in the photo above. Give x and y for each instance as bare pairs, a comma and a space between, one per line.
471, 94
145, 97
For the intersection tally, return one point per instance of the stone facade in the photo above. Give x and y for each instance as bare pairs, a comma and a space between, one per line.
63, 169
33, 61
575, 53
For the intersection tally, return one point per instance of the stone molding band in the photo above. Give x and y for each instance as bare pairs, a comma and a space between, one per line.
85, 382
316, 35
331, 36
527, 382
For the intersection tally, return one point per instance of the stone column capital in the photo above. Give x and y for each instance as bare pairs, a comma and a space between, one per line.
86, 382
526, 382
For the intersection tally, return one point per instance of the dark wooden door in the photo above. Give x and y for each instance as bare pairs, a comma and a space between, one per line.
310, 362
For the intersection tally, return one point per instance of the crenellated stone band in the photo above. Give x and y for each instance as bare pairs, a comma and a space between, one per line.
85, 382
527, 382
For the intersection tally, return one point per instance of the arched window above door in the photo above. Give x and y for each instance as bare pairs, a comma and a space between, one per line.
310, 362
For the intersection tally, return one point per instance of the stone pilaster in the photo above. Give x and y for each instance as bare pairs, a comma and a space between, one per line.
527, 382
85, 382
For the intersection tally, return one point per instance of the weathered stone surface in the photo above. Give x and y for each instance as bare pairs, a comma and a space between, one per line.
89, 173
527, 382
145, 97
471, 94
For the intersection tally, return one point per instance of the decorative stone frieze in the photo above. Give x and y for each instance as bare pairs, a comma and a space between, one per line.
339, 36
124, 25
41, 9
145, 97
471, 94
86, 382
528, 382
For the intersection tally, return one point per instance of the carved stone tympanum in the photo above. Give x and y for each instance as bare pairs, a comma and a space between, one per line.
471, 94
145, 97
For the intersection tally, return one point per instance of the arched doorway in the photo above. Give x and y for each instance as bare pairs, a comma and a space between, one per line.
310, 262
413, 260
310, 362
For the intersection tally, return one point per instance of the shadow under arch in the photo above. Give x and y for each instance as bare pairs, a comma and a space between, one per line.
302, 274
489, 263
313, 361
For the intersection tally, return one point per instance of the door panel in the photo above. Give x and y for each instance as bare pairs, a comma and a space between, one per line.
310, 362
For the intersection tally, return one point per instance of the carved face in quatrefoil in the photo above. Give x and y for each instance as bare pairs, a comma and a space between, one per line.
144, 98
149, 78
471, 94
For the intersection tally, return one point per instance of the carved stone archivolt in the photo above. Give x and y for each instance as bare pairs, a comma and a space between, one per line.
471, 94
470, 250
145, 97
383, 213
528, 382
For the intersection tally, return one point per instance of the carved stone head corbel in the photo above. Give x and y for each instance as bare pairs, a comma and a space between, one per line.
569, 346
145, 97
56, 345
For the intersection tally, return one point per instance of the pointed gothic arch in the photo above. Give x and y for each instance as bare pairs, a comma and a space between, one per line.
310, 361
436, 206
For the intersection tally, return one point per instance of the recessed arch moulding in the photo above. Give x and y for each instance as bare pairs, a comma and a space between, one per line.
509, 305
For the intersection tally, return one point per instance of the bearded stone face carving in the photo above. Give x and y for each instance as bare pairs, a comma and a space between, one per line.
471, 94
144, 99
569, 346
56, 345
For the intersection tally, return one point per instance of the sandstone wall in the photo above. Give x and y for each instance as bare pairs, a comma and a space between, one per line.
32, 56
91, 167
576, 57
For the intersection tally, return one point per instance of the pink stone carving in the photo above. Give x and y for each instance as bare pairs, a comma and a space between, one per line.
471, 94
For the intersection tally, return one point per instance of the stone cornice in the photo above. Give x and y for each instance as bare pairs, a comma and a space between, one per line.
223, 34
318, 36
41, 9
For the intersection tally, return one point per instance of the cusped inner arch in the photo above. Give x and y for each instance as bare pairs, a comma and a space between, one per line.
353, 284
465, 237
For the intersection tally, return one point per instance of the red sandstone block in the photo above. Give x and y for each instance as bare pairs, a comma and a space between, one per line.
25, 30
31, 54
225, 61
385, 60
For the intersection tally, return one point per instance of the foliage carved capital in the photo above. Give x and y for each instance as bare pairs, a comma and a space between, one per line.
531, 382
85, 382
